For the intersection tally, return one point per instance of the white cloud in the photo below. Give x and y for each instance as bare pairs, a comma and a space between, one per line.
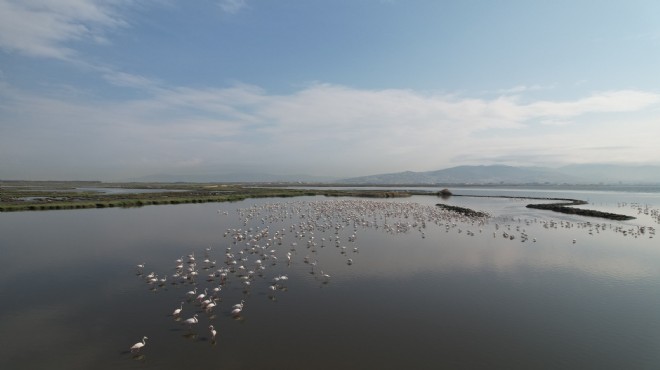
556, 122
604, 102
126, 79
232, 6
518, 89
44, 28
323, 128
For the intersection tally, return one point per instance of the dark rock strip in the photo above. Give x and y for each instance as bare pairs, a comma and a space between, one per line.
464, 211
562, 207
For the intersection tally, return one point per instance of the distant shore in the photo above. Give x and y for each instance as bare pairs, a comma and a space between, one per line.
58, 195
42, 196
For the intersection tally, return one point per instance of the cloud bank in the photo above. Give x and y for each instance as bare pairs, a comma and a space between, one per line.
320, 129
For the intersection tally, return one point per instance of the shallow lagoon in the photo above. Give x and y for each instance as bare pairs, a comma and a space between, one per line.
435, 297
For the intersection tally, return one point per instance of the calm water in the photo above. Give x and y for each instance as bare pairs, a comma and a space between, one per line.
104, 190
424, 291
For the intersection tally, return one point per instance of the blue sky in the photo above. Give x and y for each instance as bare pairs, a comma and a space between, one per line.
119, 89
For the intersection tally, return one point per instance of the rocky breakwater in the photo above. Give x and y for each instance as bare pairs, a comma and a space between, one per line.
565, 207
463, 211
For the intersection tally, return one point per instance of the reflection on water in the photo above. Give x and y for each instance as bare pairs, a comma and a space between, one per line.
124, 190
102, 190
423, 289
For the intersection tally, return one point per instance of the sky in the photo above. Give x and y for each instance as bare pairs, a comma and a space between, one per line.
117, 89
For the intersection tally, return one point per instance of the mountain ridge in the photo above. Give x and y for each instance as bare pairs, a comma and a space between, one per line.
504, 174
234, 177
575, 174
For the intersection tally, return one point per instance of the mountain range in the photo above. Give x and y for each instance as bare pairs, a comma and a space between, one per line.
484, 174
501, 174
236, 177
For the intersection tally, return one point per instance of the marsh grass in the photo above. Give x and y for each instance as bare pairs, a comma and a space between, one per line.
18, 196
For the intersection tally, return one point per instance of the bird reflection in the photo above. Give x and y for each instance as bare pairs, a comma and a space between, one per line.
190, 335
139, 357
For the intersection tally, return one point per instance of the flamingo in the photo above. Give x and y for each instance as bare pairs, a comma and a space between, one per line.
205, 302
213, 332
191, 293
239, 305
211, 304
138, 345
237, 308
201, 296
177, 312
191, 321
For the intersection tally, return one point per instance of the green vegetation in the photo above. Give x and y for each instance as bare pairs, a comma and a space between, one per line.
34, 196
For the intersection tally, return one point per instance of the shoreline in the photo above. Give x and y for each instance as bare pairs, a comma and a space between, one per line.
31, 196
22, 199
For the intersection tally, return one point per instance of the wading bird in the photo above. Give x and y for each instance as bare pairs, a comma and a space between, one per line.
177, 312
138, 345
237, 308
191, 321
191, 293
201, 296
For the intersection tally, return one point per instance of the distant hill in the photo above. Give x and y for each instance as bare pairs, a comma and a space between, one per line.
490, 174
501, 174
231, 177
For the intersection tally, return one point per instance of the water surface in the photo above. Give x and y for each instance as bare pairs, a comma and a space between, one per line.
422, 291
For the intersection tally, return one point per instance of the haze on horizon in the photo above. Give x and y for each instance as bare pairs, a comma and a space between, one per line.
112, 90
